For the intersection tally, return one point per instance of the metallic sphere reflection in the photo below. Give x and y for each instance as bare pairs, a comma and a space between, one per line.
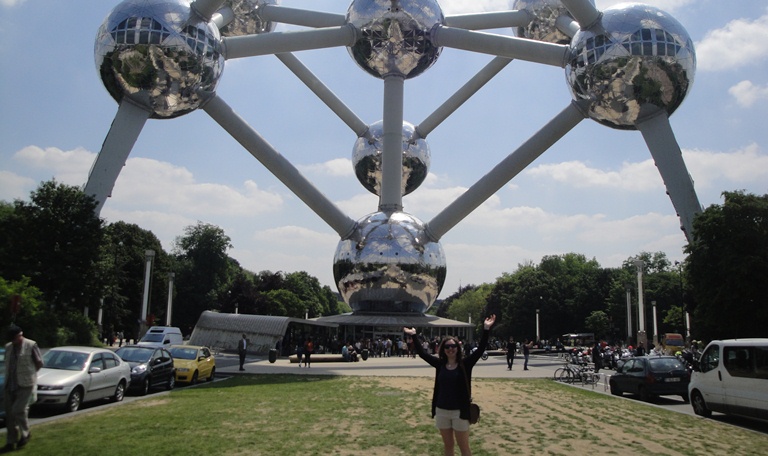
544, 14
158, 54
248, 19
366, 159
395, 36
637, 62
388, 265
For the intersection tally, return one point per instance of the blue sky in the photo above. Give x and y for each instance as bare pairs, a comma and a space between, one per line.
596, 192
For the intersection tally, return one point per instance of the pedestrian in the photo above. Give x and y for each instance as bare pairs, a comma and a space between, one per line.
526, 352
22, 361
510, 353
597, 356
640, 350
452, 393
242, 349
309, 348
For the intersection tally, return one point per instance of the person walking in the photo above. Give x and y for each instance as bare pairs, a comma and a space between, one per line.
242, 349
526, 352
22, 361
309, 348
510, 353
452, 393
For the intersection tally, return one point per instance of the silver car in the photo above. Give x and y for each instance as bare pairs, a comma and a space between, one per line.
73, 375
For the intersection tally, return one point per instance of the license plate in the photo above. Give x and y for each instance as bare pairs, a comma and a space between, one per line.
673, 379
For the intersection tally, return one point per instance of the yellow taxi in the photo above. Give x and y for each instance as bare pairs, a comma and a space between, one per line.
192, 363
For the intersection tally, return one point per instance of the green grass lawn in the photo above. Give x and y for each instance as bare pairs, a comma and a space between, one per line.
324, 415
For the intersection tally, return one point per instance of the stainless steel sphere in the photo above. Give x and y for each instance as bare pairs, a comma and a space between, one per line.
544, 14
634, 64
395, 36
248, 18
158, 54
366, 158
388, 265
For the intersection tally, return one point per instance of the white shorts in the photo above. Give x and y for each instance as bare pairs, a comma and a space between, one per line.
449, 419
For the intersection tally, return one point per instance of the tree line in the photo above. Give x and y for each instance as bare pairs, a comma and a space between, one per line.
60, 265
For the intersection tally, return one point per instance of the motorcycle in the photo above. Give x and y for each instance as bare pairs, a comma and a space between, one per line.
484, 356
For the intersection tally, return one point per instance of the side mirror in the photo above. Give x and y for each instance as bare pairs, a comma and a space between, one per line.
94, 370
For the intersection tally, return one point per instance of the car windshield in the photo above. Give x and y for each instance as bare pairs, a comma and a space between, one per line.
152, 338
64, 360
135, 354
665, 364
184, 353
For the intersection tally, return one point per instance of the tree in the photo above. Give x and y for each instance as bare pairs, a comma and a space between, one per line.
598, 323
471, 303
55, 240
727, 268
204, 271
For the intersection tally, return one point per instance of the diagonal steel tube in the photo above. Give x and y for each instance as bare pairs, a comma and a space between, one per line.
123, 133
324, 93
462, 95
279, 166
666, 153
583, 11
316, 19
502, 173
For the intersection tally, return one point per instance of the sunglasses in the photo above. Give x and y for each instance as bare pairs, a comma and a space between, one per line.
448, 346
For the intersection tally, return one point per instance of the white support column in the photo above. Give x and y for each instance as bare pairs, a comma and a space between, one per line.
392, 149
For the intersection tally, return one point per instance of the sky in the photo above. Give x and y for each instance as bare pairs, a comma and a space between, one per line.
596, 192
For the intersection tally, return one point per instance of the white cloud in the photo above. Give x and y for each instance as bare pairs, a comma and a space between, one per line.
746, 93
70, 167
641, 176
13, 186
739, 43
11, 3
339, 167
741, 168
476, 6
666, 5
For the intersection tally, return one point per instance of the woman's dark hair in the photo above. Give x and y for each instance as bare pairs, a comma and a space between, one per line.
441, 349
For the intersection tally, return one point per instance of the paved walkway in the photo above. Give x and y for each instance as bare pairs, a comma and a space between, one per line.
493, 367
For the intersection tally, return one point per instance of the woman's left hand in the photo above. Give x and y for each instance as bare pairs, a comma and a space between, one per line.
489, 321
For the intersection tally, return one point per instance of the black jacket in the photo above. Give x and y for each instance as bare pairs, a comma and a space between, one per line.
465, 371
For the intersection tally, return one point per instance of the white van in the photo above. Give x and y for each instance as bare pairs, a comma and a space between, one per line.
162, 336
731, 377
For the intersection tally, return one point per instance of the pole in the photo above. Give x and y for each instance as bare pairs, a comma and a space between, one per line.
629, 312
168, 312
655, 326
641, 335
538, 335
149, 255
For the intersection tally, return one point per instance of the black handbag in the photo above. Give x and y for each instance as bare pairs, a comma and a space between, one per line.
474, 409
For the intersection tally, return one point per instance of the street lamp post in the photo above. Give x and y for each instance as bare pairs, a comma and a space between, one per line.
171, 276
628, 289
538, 335
149, 255
655, 326
641, 335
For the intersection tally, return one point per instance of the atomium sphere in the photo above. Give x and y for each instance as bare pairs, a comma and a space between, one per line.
248, 18
366, 158
544, 15
389, 265
158, 54
636, 63
395, 37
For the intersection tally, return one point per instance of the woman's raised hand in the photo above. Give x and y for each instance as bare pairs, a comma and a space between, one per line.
489, 321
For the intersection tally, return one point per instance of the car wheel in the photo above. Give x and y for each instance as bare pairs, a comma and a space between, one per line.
119, 392
213, 372
644, 396
699, 405
685, 397
615, 389
194, 379
172, 381
74, 400
145, 387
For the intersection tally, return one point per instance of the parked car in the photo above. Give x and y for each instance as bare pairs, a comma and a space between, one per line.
73, 375
651, 376
151, 367
161, 336
192, 363
731, 377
